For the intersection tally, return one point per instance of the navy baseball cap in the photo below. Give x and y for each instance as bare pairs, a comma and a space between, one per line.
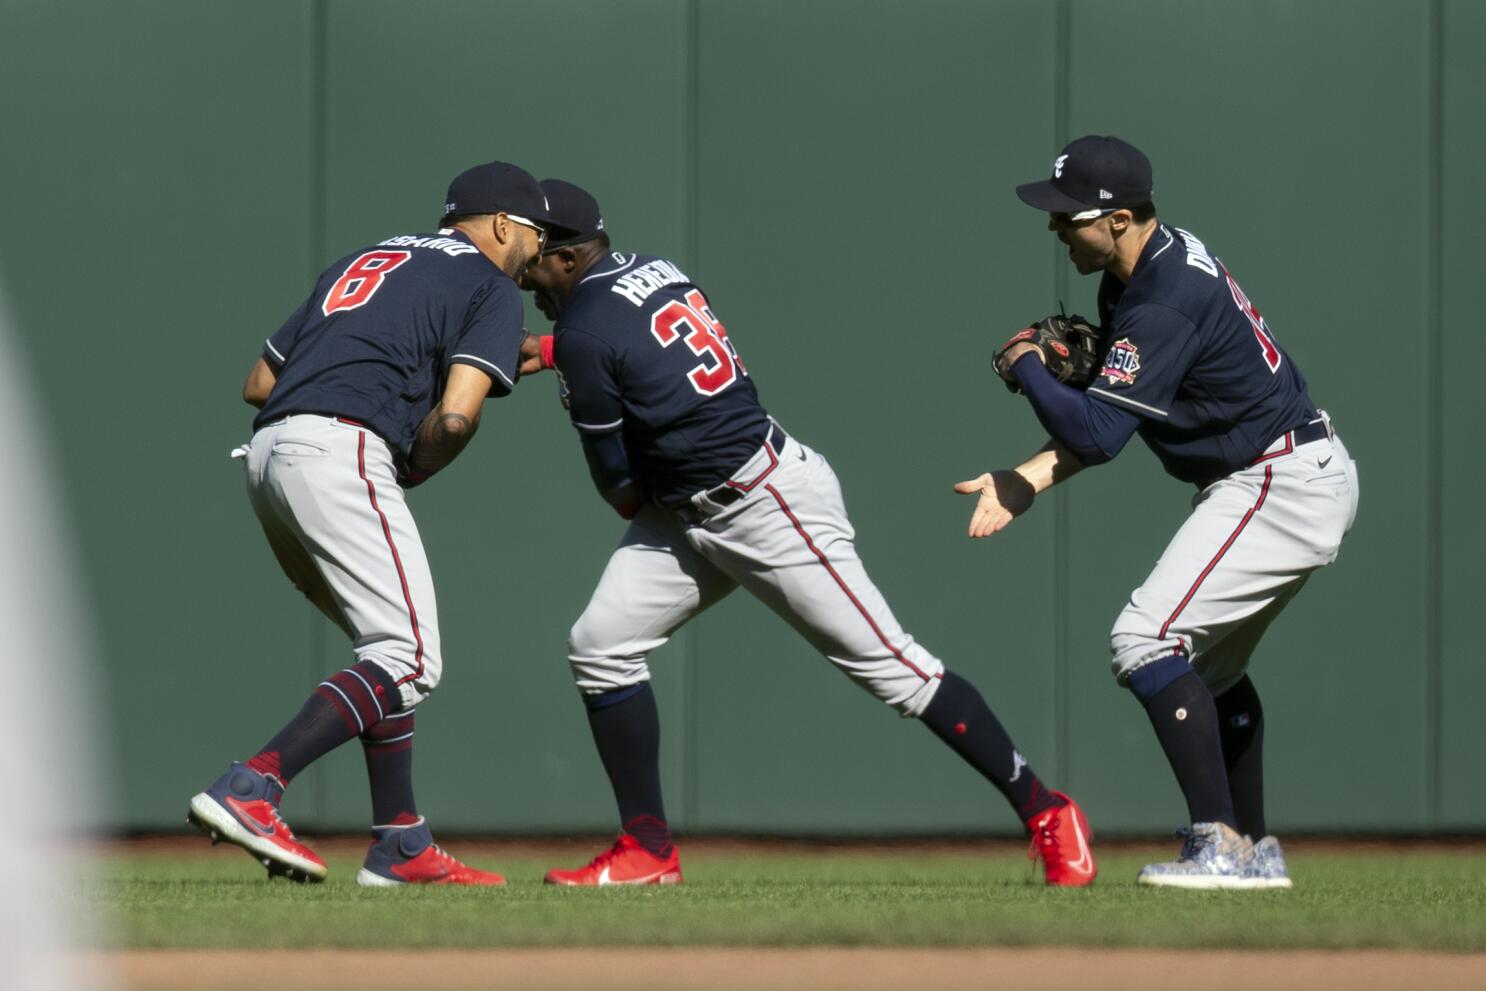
574, 208
1092, 173
499, 187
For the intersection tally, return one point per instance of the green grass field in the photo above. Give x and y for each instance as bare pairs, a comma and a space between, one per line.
1426, 898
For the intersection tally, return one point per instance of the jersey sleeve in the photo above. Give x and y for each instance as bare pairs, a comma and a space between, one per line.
490, 339
277, 348
590, 373
1150, 349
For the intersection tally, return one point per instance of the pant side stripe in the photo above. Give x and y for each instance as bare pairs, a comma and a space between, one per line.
407, 595
1263, 492
820, 556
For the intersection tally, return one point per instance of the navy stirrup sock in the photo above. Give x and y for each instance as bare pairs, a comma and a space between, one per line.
1241, 727
388, 749
626, 730
342, 706
1182, 713
959, 716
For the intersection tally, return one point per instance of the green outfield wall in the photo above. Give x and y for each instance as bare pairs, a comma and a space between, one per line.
838, 175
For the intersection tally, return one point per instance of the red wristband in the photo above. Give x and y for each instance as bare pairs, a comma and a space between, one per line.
546, 342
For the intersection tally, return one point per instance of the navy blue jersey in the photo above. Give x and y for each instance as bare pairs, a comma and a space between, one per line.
375, 340
639, 350
1190, 355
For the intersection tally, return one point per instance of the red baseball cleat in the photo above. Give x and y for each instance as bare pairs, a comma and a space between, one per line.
408, 855
626, 862
1060, 839
242, 807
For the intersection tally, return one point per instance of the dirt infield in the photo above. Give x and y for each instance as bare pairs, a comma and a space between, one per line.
735, 969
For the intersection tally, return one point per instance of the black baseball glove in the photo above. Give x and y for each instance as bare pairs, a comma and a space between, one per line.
1071, 349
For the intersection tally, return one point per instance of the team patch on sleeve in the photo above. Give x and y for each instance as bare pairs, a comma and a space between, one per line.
1122, 363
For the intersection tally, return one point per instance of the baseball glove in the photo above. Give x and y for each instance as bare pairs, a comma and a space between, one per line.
1071, 348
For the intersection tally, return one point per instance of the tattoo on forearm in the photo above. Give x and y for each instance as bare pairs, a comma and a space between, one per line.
454, 423
440, 438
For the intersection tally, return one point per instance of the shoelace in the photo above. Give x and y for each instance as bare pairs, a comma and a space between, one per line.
444, 857
279, 823
608, 855
1044, 836
1189, 841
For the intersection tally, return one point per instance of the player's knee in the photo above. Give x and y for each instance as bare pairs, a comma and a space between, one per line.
1131, 651
597, 666
416, 673
1145, 664
585, 639
598, 675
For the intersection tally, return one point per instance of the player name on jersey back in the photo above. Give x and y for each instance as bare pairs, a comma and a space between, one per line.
448, 245
651, 277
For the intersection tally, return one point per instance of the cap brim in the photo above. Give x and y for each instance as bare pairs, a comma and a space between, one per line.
561, 237
1045, 196
556, 233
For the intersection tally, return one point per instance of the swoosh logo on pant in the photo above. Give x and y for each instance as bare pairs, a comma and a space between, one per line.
1323, 464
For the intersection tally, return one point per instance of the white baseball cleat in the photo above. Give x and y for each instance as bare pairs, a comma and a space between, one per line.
1269, 864
1213, 857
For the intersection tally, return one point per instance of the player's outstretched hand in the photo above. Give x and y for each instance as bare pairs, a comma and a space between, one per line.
531, 355
1004, 495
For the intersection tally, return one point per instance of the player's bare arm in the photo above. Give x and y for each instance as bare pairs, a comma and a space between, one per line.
1007, 494
260, 382
451, 424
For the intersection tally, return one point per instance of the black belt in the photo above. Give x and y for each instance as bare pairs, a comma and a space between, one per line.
1309, 432
1318, 429
728, 493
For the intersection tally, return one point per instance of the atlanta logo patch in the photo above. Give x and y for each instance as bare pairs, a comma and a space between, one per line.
1121, 363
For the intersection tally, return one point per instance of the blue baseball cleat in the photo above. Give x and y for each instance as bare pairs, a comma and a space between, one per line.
408, 855
242, 808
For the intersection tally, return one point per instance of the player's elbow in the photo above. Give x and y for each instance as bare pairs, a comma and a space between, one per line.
1091, 454
453, 428
253, 395
259, 384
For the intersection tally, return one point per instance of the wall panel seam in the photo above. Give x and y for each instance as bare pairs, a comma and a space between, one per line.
1062, 508
317, 114
689, 749
1434, 442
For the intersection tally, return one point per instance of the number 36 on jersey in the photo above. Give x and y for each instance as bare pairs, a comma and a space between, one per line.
692, 320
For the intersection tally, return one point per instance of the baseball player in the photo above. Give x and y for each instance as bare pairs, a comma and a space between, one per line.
719, 495
374, 384
1190, 365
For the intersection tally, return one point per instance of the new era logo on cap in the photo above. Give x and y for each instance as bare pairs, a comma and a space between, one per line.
1094, 171
574, 208
499, 187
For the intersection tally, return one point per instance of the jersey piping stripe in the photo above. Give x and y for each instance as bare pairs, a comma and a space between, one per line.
1289, 448
1263, 493
495, 368
1169, 242
407, 595
599, 427
820, 556
750, 486
1128, 402
612, 271
269, 345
